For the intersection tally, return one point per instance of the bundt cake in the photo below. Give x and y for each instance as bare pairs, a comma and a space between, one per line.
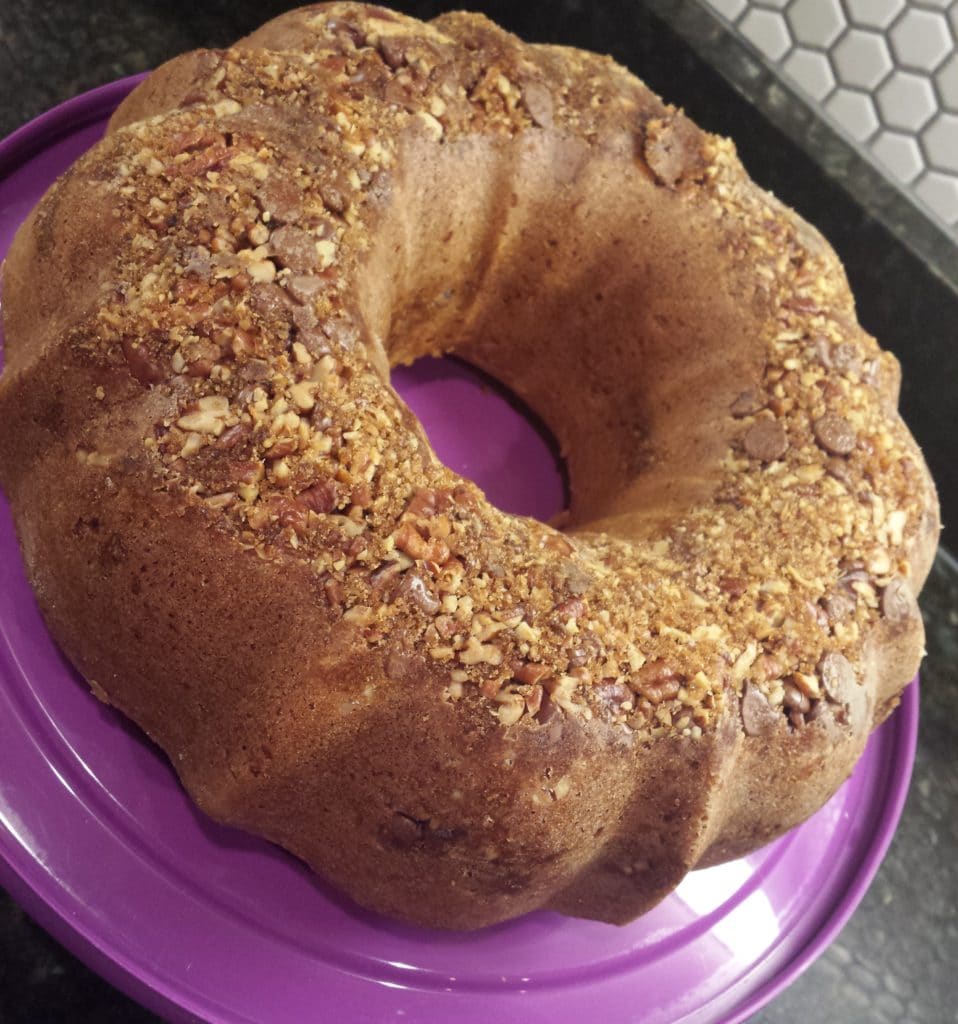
240, 536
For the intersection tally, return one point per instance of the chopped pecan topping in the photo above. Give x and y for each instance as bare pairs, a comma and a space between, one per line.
657, 681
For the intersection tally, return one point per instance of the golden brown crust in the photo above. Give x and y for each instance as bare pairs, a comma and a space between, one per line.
236, 528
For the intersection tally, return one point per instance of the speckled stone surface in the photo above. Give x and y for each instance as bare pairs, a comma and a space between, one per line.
894, 961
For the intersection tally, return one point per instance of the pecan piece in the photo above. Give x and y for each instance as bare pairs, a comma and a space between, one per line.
412, 542
530, 672
657, 681
422, 503
322, 497
571, 608
290, 513
141, 364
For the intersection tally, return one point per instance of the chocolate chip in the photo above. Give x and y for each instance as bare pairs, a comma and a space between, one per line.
417, 591
815, 712
837, 469
835, 434
537, 100
294, 248
315, 341
897, 601
747, 404
613, 693
270, 301
758, 716
304, 318
280, 198
673, 150
766, 440
305, 288
839, 606
846, 359
795, 700
393, 51
341, 333
254, 371
334, 198
838, 677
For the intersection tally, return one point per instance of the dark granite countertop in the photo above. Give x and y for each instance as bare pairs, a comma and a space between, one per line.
894, 960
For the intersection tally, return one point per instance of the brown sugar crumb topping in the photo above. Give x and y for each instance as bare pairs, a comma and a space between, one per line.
235, 303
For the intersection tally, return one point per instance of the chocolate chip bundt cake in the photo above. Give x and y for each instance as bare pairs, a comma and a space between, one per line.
240, 536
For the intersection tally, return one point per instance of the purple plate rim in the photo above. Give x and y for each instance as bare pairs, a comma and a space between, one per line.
46, 128
905, 745
156, 994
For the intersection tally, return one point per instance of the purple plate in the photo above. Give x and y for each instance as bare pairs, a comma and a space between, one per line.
99, 843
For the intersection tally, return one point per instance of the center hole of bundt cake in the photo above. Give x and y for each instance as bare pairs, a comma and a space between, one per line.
481, 430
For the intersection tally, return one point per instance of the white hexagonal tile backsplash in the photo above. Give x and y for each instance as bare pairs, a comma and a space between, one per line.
874, 13
906, 100
861, 58
921, 39
883, 73
815, 22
